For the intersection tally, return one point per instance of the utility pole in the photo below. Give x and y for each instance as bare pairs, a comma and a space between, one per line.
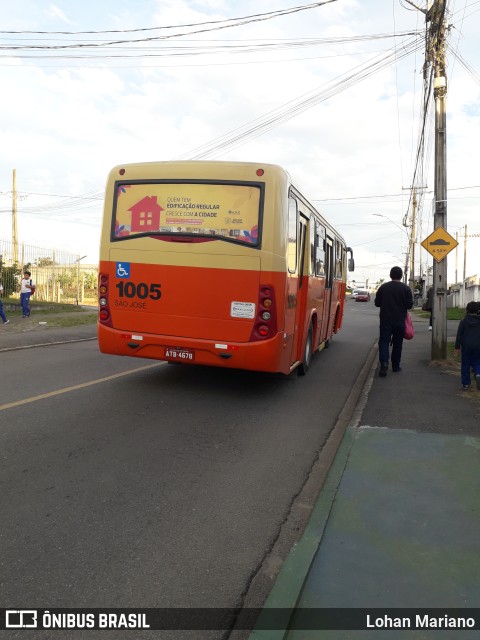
436, 50
456, 257
410, 256
411, 280
14, 220
436, 56
465, 236
405, 269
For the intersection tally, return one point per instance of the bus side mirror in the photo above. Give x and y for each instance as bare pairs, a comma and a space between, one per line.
351, 261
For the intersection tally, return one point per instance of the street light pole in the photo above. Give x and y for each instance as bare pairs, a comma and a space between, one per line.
380, 215
78, 277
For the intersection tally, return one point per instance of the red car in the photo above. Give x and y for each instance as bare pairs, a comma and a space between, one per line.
362, 296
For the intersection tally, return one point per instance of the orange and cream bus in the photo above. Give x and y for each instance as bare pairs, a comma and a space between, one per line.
217, 263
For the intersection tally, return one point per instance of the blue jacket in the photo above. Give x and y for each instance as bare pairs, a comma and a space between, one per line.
468, 333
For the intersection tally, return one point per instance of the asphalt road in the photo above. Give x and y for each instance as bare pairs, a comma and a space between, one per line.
131, 483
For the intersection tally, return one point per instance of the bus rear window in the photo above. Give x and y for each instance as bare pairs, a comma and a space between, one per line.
227, 211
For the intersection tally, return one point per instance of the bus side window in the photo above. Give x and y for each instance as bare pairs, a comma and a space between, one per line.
312, 245
302, 245
320, 251
292, 235
329, 262
338, 260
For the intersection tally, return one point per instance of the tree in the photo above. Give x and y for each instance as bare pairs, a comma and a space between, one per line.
90, 279
9, 277
45, 262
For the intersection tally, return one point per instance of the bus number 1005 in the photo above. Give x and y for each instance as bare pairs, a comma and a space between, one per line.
140, 290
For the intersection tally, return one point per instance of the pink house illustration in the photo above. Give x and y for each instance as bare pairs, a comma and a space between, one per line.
146, 215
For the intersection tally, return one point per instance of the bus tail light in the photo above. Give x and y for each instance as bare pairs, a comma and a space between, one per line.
263, 330
265, 325
104, 316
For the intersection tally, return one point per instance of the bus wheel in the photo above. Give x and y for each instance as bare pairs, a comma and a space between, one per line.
307, 354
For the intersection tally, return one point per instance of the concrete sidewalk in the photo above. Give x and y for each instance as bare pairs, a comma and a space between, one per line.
40, 329
397, 523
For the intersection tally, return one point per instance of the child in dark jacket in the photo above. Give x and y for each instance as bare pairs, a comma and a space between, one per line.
468, 340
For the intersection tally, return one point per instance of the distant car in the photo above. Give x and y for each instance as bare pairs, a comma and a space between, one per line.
362, 296
354, 293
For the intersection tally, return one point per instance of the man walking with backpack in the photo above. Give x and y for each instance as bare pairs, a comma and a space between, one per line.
27, 287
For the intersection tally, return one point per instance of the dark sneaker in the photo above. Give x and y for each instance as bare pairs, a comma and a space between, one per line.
477, 380
7, 321
383, 369
396, 369
466, 387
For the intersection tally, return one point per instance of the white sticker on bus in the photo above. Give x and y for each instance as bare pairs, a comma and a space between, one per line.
242, 310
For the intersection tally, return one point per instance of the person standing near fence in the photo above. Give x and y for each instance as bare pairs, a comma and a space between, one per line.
26, 288
428, 306
2, 312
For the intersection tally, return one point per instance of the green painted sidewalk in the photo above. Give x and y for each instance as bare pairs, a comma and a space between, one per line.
397, 525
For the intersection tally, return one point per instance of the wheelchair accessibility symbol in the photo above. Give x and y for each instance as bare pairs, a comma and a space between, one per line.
123, 269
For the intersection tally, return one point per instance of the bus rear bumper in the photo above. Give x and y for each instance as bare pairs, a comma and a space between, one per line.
271, 355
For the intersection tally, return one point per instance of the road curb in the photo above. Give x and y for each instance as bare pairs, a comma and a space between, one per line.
328, 470
46, 344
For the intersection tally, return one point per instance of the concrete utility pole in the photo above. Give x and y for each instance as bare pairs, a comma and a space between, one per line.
14, 220
436, 56
465, 236
456, 258
410, 256
436, 50
411, 279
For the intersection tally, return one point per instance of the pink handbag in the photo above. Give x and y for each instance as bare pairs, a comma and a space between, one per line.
409, 331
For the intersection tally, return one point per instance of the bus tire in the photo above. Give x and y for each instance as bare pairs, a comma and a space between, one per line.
307, 353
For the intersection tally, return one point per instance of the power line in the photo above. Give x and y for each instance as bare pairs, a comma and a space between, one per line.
134, 65
260, 17
475, 75
94, 51
97, 195
292, 108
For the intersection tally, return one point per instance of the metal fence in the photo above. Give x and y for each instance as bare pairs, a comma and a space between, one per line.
59, 276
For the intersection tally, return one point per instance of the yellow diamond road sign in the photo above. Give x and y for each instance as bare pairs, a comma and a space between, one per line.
439, 243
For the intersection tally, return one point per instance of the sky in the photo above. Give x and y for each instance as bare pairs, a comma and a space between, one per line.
331, 91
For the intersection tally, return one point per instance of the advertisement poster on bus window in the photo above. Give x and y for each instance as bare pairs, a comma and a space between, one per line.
231, 211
